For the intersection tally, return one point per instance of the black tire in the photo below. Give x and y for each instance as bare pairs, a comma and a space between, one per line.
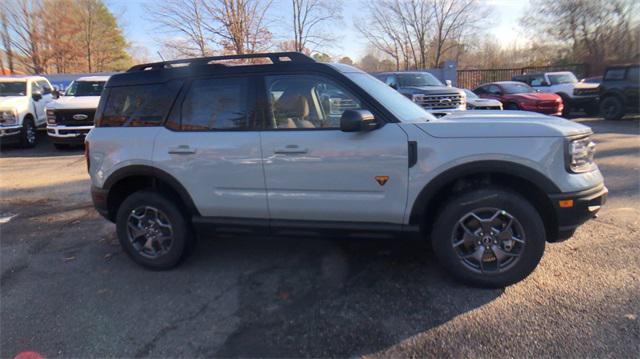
512, 107
459, 206
28, 133
567, 108
612, 108
182, 233
61, 146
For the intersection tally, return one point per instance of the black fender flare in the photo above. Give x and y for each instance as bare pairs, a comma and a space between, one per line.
449, 176
156, 173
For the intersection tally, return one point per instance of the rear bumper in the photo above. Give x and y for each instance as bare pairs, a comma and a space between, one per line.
99, 198
574, 208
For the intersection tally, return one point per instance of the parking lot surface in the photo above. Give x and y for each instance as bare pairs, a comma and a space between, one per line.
68, 290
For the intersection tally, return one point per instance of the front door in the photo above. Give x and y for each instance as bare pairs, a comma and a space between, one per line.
314, 171
212, 147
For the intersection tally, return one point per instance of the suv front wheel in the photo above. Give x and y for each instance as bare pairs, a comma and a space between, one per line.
489, 237
152, 230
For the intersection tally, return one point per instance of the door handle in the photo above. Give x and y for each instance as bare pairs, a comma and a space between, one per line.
291, 150
182, 150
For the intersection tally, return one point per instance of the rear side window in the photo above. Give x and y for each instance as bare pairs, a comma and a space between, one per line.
615, 74
218, 104
633, 74
138, 106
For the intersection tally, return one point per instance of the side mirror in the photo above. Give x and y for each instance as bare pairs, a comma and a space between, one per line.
357, 120
393, 86
55, 94
448, 83
36, 95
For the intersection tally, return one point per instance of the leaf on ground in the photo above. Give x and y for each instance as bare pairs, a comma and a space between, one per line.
69, 259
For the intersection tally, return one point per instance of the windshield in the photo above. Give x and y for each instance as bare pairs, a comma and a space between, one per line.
418, 80
85, 88
470, 94
565, 78
517, 88
18, 88
401, 107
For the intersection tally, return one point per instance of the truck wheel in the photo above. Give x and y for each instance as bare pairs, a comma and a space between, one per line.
612, 108
489, 237
28, 133
152, 230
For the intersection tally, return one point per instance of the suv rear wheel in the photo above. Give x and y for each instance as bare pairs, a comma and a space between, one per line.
152, 230
489, 237
612, 108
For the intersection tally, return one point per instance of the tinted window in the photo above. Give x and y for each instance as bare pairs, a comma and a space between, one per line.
514, 88
564, 78
481, 90
308, 102
633, 74
615, 74
213, 104
537, 80
85, 88
494, 90
391, 81
44, 85
418, 79
141, 105
13, 88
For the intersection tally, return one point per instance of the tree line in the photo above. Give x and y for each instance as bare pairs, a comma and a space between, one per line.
83, 35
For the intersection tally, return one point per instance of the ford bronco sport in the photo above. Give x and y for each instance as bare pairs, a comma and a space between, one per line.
205, 146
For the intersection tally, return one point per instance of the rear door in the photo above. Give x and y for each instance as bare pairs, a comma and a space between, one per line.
316, 172
211, 145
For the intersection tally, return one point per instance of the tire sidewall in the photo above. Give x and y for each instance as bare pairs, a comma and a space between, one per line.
609, 102
511, 202
181, 229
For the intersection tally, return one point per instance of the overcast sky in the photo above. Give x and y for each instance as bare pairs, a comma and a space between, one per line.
139, 29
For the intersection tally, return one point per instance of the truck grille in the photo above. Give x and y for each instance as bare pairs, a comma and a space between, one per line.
66, 117
437, 102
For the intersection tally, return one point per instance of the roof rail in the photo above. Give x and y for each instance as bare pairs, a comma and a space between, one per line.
275, 57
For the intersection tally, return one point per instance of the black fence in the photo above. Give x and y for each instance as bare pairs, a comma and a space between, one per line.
472, 78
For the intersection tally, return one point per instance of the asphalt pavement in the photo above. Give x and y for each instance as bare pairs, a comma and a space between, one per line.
67, 289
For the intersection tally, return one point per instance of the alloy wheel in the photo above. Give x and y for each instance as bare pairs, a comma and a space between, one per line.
149, 231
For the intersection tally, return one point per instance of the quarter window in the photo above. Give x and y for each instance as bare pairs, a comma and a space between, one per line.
615, 74
308, 102
633, 74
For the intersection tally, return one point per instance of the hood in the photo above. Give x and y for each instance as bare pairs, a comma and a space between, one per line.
538, 96
74, 102
586, 85
432, 90
488, 124
11, 102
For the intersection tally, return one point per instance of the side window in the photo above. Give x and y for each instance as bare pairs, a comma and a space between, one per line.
392, 81
537, 80
35, 86
494, 90
44, 85
218, 104
480, 90
614, 74
307, 102
633, 74
140, 105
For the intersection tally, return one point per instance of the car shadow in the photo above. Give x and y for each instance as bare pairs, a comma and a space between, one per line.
43, 148
335, 298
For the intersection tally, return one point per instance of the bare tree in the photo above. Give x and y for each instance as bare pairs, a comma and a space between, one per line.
187, 19
239, 26
453, 20
24, 23
309, 18
6, 36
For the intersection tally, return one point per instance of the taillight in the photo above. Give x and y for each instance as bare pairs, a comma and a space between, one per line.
86, 155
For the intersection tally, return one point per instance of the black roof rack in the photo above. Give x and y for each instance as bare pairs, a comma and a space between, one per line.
275, 57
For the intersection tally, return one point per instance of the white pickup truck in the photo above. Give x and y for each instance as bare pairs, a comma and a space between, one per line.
22, 108
70, 117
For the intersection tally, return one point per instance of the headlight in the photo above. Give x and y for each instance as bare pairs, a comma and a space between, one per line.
581, 154
51, 117
8, 118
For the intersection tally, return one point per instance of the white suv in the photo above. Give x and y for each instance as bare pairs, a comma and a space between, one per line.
199, 146
22, 103
70, 117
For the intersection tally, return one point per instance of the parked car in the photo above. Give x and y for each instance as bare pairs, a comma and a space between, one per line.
575, 95
474, 102
426, 90
22, 103
70, 117
620, 91
210, 148
520, 96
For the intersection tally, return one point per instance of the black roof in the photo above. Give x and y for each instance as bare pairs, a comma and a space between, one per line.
163, 71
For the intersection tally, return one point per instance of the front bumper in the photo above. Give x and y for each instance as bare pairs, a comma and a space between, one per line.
68, 134
10, 134
574, 208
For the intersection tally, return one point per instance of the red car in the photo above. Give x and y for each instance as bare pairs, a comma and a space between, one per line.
520, 96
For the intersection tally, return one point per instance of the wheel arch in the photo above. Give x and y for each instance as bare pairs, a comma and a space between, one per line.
127, 180
524, 180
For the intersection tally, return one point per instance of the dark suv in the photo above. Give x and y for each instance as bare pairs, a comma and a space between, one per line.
620, 91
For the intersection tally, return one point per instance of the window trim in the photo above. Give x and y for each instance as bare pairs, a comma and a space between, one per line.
268, 111
176, 107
